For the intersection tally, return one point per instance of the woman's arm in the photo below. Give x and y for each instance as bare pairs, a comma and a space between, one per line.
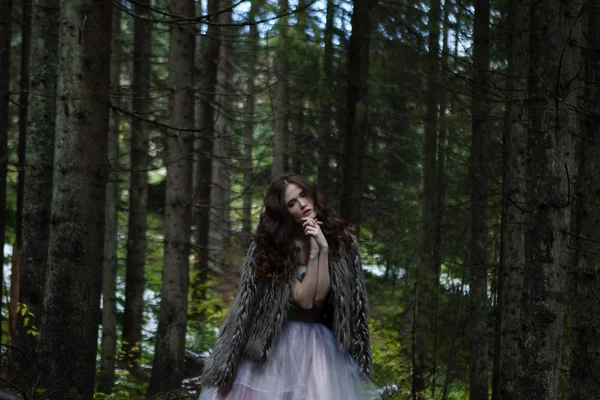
304, 292
323, 281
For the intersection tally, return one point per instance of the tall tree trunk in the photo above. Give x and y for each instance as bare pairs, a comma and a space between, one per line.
249, 126
15, 276
481, 128
204, 162
138, 190
585, 368
281, 98
199, 70
167, 368
38, 170
325, 120
5, 35
426, 276
219, 223
299, 147
76, 244
198, 279
554, 88
514, 203
106, 376
23, 111
357, 112
440, 201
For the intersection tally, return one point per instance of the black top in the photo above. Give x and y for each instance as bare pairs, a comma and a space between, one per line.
297, 313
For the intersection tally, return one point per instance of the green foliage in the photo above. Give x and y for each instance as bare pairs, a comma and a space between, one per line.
121, 394
28, 315
202, 334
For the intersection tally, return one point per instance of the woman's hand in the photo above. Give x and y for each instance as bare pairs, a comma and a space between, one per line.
312, 228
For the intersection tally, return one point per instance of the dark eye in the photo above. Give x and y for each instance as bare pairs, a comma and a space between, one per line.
290, 204
302, 194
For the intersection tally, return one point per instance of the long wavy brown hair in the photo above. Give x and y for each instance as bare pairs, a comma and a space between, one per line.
276, 249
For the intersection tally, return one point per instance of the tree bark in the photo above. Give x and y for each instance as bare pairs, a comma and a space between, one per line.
197, 279
76, 244
481, 128
357, 112
5, 35
300, 152
138, 190
204, 162
440, 193
106, 376
514, 203
168, 365
585, 368
219, 223
23, 108
281, 98
299, 147
554, 86
23, 111
38, 170
253, 39
426, 276
327, 96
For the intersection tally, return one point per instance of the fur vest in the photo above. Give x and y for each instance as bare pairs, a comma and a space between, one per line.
260, 311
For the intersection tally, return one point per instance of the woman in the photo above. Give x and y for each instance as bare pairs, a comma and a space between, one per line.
298, 327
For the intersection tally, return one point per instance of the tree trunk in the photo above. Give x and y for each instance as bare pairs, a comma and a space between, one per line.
554, 87
514, 203
219, 223
168, 365
440, 193
5, 34
138, 190
106, 377
325, 121
197, 279
253, 39
426, 276
38, 169
76, 244
357, 112
299, 145
585, 369
199, 70
23, 111
281, 98
481, 128
300, 152
204, 162
15, 277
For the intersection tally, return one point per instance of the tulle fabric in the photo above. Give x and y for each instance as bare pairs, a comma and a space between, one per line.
305, 364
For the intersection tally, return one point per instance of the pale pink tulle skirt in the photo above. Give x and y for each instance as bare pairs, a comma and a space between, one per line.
305, 364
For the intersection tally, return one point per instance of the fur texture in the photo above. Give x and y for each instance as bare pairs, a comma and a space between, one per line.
261, 307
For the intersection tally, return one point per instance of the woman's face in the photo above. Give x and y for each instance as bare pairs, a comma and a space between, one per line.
299, 204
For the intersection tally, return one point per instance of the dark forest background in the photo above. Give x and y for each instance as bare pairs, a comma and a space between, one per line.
461, 139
